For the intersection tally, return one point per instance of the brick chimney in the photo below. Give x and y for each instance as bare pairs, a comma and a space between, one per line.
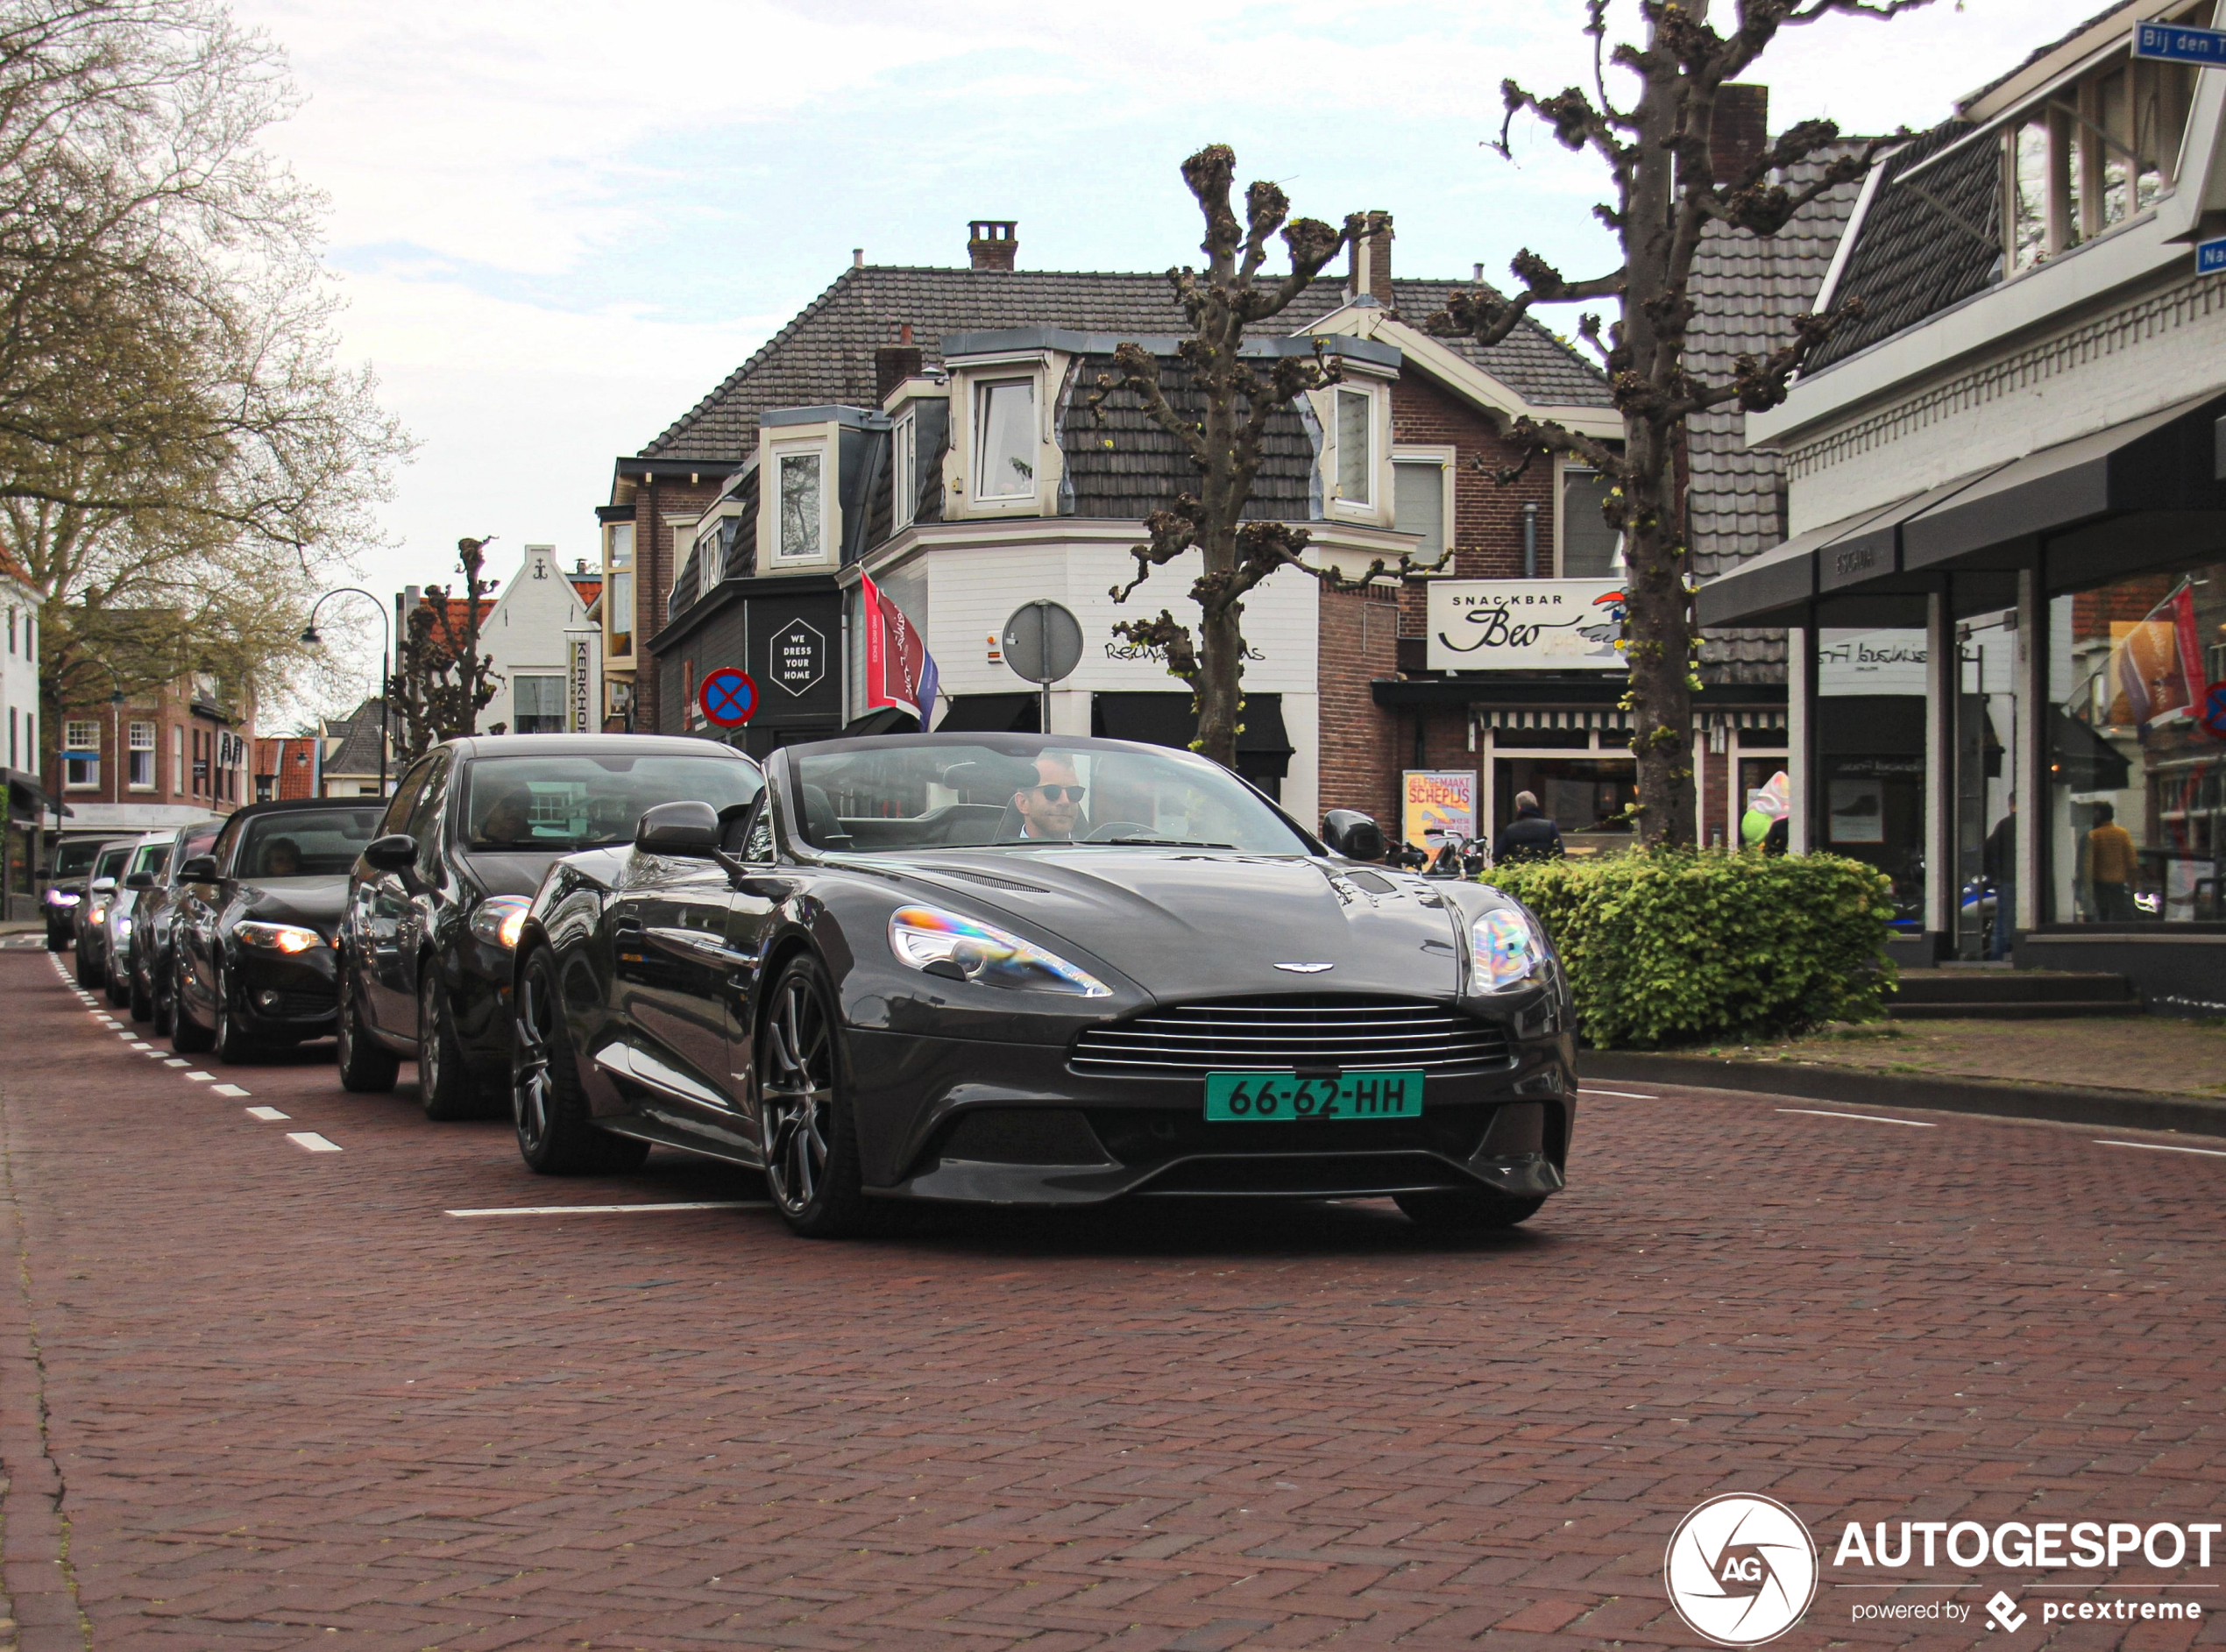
1741, 133
893, 364
991, 243
1371, 264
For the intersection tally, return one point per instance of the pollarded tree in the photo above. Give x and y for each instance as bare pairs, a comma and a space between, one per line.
1234, 399
1656, 150
444, 682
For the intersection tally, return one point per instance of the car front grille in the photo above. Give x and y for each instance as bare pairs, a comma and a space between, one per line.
1351, 1032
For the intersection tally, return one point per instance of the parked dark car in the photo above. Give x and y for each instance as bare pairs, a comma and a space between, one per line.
1030, 971
73, 859
89, 926
150, 858
434, 909
252, 947
154, 925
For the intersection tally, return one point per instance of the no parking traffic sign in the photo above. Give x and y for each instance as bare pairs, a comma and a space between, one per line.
728, 697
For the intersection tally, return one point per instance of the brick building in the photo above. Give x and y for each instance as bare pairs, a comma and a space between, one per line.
154, 761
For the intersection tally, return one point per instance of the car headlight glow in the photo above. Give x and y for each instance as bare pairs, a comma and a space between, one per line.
123, 926
1505, 947
958, 948
501, 920
286, 938
61, 897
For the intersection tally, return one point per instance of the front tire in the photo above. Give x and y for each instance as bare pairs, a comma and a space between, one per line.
1463, 1210
809, 1133
142, 1001
188, 1037
86, 978
366, 1067
56, 939
233, 1042
444, 1082
119, 992
557, 1134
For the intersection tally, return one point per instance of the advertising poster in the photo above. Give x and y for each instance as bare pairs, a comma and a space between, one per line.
1437, 801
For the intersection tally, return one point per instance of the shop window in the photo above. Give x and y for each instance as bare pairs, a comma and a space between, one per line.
142, 774
1869, 803
1590, 549
82, 754
537, 703
2137, 787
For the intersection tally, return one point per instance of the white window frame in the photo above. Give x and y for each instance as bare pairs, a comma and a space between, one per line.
961, 459
611, 567
903, 469
177, 760
681, 546
1446, 457
1562, 468
1376, 509
80, 774
796, 441
981, 390
134, 731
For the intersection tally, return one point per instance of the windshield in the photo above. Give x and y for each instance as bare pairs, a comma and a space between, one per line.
111, 863
307, 842
152, 857
71, 858
948, 796
562, 802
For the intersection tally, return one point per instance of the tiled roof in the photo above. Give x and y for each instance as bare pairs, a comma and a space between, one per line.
1747, 289
826, 354
357, 752
1922, 246
1123, 466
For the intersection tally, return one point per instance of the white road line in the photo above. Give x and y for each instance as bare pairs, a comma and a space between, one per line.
229, 1089
268, 1115
141, 1044
175, 1061
1867, 1119
311, 1142
202, 1078
2161, 1147
612, 1210
1628, 1095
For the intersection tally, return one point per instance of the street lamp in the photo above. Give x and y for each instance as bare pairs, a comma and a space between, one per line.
386, 655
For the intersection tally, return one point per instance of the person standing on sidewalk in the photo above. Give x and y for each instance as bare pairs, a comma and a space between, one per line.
2110, 865
2001, 872
1530, 836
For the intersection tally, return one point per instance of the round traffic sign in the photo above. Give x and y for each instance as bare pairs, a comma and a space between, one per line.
1043, 641
728, 697
2213, 716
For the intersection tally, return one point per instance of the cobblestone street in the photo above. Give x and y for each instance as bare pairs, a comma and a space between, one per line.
284, 1397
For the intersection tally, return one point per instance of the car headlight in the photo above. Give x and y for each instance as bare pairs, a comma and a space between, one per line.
500, 920
1505, 947
286, 938
941, 943
61, 897
123, 926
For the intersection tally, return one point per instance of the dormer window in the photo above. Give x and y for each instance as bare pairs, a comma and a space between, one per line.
1006, 449
2090, 154
802, 491
1356, 447
905, 468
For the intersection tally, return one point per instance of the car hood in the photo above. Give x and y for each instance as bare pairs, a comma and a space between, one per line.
1185, 924
314, 901
517, 874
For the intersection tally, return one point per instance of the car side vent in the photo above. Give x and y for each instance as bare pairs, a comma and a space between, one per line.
1344, 1030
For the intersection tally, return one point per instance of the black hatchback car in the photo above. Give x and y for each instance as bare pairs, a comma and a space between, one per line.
435, 905
252, 943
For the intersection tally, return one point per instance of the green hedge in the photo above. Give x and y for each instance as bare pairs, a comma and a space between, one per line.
1668, 948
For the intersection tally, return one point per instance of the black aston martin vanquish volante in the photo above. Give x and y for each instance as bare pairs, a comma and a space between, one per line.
1026, 970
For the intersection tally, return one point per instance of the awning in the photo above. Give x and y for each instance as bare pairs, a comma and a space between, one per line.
991, 715
1263, 747
2140, 493
2081, 759
887, 720
27, 799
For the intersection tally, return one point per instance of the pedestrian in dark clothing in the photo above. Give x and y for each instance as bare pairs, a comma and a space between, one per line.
1530, 836
2001, 864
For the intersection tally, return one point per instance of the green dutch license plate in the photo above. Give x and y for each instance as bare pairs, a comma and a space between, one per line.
1285, 1095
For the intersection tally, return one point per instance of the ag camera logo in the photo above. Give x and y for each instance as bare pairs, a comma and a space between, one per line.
1741, 1570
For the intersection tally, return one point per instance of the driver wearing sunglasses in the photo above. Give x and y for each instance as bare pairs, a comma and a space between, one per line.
1049, 808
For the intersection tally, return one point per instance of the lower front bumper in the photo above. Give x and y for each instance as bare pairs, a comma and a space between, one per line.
286, 998
963, 1121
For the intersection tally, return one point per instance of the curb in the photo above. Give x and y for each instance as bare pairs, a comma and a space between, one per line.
2063, 1104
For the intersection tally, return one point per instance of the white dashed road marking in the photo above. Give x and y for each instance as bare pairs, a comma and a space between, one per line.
311, 1142
1627, 1095
613, 1209
1867, 1119
2162, 1147
268, 1115
229, 1089
202, 1078
176, 1060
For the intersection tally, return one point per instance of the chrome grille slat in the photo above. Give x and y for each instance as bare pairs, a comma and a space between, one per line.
1346, 1029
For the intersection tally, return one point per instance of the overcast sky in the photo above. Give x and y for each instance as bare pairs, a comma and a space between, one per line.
559, 224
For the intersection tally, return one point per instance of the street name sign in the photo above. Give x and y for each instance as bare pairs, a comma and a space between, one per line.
2175, 43
2210, 256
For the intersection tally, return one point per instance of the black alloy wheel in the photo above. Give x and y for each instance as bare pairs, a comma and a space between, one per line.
1462, 1211
557, 1134
86, 978
142, 998
188, 1037
810, 1138
366, 1065
233, 1042
119, 990
165, 1006
443, 1083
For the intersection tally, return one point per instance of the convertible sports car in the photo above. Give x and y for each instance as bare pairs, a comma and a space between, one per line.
1030, 971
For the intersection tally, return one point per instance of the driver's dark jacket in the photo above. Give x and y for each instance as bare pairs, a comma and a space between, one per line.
1530, 836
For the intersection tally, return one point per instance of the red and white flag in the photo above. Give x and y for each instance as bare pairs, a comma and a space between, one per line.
899, 669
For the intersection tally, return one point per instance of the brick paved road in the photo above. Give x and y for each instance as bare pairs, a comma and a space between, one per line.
290, 1403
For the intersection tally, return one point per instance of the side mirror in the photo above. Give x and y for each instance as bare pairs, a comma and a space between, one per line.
689, 829
139, 880
201, 869
103, 886
396, 852
1353, 834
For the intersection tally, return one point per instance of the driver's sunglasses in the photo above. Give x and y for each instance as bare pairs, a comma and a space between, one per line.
1056, 794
